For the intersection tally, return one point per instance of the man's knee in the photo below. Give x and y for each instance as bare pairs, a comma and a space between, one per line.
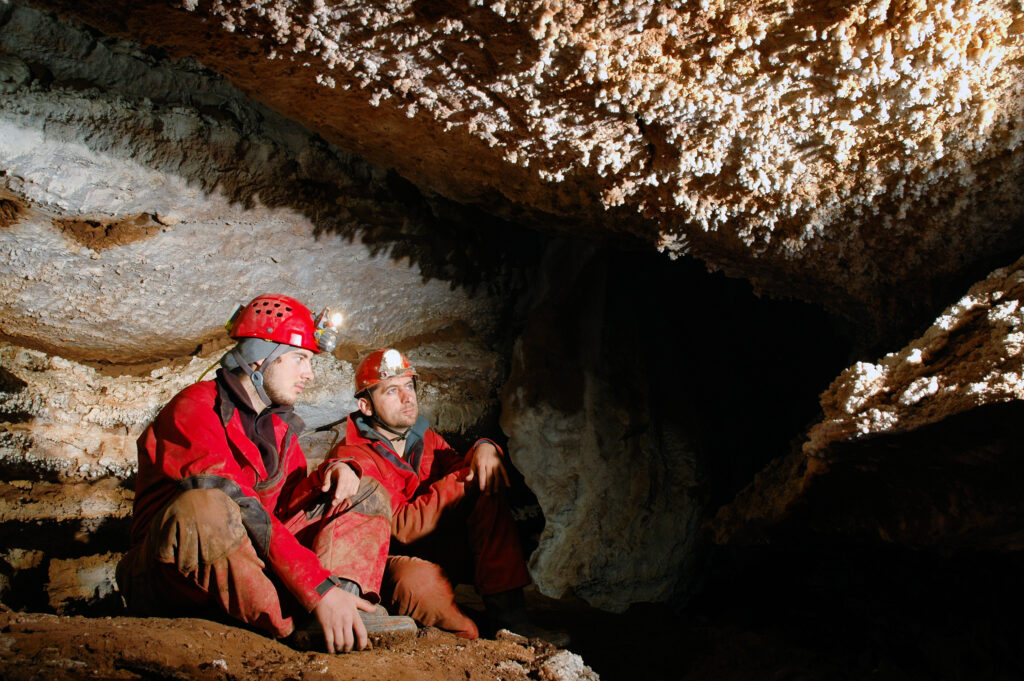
371, 499
415, 574
421, 589
200, 526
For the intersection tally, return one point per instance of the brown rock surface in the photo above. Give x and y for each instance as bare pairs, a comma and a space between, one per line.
838, 152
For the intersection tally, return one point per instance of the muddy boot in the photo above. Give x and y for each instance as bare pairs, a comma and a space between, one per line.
507, 610
380, 626
380, 623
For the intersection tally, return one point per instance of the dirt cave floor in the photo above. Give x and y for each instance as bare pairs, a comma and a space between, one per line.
39, 646
785, 616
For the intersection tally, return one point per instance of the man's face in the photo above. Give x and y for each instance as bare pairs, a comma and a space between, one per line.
395, 400
286, 377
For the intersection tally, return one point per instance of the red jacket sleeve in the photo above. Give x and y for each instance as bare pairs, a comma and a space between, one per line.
419, 517
445, 459
445, 485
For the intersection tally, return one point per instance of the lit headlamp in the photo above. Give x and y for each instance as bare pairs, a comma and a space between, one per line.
326, 334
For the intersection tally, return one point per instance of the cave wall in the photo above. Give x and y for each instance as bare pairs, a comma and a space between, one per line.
613, 463
919, 448
643, 394
472, 183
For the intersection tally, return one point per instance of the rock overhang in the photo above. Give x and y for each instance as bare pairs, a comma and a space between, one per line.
856, 155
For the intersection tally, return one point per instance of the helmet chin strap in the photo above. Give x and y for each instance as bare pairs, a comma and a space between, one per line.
399, 434
257, 376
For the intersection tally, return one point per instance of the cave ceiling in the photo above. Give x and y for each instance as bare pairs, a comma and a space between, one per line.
860, 155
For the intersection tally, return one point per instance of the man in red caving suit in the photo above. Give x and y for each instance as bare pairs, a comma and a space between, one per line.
227, 522
449, 520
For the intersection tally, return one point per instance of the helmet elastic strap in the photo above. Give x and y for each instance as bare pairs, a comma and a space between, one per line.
257, 376
400, 435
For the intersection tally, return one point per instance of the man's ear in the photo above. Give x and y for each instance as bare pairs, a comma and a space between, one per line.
364, 406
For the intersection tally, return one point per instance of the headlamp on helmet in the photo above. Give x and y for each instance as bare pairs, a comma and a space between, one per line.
380, 365
270, 326
326, 333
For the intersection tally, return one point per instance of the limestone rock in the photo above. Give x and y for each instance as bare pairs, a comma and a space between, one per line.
615, 474
79, 583
28, 502
833, 152
917, 448
55, 537
563, 666
75, 422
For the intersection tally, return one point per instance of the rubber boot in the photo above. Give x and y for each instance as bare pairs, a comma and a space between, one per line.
507, 610
380, 622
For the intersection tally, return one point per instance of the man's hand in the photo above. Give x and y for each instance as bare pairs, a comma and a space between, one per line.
344, 480
487, 468
338, 614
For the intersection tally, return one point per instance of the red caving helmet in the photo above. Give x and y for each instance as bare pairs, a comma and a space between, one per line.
276, 318
382, 364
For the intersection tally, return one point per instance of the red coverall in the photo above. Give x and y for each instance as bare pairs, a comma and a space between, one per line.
442, 527
215, 532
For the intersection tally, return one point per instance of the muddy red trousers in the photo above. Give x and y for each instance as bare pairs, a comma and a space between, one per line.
473, 540
197, 560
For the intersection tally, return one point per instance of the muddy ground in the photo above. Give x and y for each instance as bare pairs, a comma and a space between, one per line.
43, 647
799, 615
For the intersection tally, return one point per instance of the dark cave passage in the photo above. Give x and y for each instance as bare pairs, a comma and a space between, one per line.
743, 374
821, 612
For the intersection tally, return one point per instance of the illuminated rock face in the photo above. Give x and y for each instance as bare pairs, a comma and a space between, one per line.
141, 200
838, 153
600, 422
411, 163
